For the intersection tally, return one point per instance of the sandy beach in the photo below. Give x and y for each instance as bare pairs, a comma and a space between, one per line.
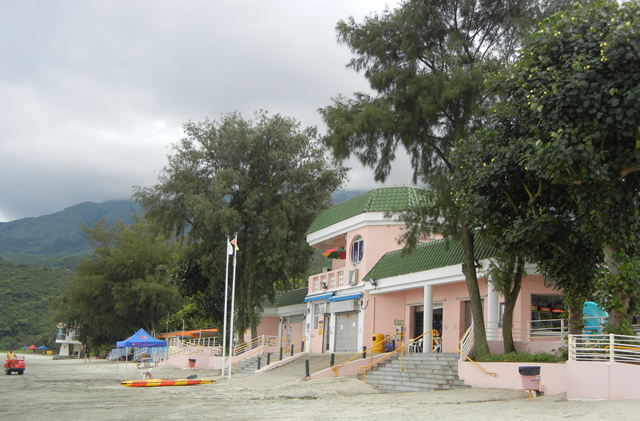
74, 390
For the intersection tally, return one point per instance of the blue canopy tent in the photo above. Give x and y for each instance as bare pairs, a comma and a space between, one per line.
139, 340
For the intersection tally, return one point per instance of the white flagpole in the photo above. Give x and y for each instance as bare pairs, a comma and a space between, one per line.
226, 289
233, 295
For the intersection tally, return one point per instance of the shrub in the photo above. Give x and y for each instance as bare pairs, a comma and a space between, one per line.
522, 357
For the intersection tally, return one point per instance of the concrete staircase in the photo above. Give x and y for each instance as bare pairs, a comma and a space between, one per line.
421, 372
249, 365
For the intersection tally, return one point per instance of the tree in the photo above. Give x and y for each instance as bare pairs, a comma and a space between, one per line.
122, 286
265, 180
521, 213
572, 98
426, 60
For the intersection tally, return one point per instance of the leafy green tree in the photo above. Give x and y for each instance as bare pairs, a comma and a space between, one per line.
572, 101
123, 286
522, 213
265, 180
426, 60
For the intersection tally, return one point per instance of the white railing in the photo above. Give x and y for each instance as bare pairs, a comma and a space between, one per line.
256, 343
466, 343
532, 330
609, 348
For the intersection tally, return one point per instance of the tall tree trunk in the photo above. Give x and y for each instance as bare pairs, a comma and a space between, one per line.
481, 347
251, 309
616, 315
510, 294
576, 320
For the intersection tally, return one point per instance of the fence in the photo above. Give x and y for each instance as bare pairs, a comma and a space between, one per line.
532, 330
609, 348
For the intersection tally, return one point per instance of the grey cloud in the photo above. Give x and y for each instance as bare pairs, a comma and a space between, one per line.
92, 94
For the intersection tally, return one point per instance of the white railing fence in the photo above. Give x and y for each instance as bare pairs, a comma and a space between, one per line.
532, 330
609, 348
466, 343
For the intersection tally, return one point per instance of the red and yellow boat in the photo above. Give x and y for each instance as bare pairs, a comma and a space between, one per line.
165, 382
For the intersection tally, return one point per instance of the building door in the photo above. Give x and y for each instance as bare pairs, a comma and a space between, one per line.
468, 316
288, 336
418, 321
327, 341
346, 332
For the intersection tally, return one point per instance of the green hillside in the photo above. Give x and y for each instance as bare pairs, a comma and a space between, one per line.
57, 240
25, 313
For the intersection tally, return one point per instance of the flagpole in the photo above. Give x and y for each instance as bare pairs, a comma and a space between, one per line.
233, 295
226, 293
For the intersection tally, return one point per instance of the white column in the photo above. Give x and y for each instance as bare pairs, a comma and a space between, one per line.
493, 310
427, 324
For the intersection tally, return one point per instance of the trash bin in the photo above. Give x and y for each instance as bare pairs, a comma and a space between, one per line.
192, 363
378, 345
530, 378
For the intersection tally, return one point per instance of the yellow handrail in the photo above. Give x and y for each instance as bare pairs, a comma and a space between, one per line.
466, 356
256, 351
293, 343
248, 345
401, 350
337, 367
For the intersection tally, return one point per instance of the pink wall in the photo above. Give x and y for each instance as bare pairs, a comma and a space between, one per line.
268, 327
553, 377
378, 240
579, 379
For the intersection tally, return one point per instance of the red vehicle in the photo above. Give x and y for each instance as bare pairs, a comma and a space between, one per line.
16, 365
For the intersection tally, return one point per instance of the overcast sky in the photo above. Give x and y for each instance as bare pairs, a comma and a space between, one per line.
93, 93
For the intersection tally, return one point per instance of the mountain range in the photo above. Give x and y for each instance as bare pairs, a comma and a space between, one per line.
58, 239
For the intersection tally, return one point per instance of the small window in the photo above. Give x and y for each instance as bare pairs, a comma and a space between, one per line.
318, 310
316, 284
341, 279
357, 250
333, 280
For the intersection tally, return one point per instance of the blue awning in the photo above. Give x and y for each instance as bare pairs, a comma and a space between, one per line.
317, 297
344, 297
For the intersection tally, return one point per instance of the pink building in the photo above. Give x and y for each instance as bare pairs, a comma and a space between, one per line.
379, 290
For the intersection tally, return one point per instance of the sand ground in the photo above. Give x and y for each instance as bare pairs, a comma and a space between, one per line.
75, 390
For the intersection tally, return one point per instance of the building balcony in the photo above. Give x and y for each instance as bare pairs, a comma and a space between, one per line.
334, 279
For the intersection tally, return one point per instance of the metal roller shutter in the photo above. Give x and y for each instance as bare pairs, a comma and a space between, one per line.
346, 332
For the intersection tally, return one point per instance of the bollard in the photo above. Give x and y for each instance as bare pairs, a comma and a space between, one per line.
364, 352
306, 367
302, 346
393, 345
259, 358
333, 360
291, 353
280, 354
268, 358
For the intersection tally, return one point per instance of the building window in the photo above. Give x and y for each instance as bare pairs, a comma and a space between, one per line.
357, 250
316, 284
318, 310
341, 279
333, 280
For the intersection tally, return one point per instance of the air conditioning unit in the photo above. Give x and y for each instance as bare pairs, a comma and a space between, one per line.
353, 277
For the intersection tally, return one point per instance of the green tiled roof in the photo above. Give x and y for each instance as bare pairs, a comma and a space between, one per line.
288, 298
433, 255
379, 200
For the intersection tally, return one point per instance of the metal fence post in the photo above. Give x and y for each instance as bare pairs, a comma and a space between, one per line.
612, 348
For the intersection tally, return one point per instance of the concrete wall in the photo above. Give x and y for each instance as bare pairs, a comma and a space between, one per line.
553, 377
579, 379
